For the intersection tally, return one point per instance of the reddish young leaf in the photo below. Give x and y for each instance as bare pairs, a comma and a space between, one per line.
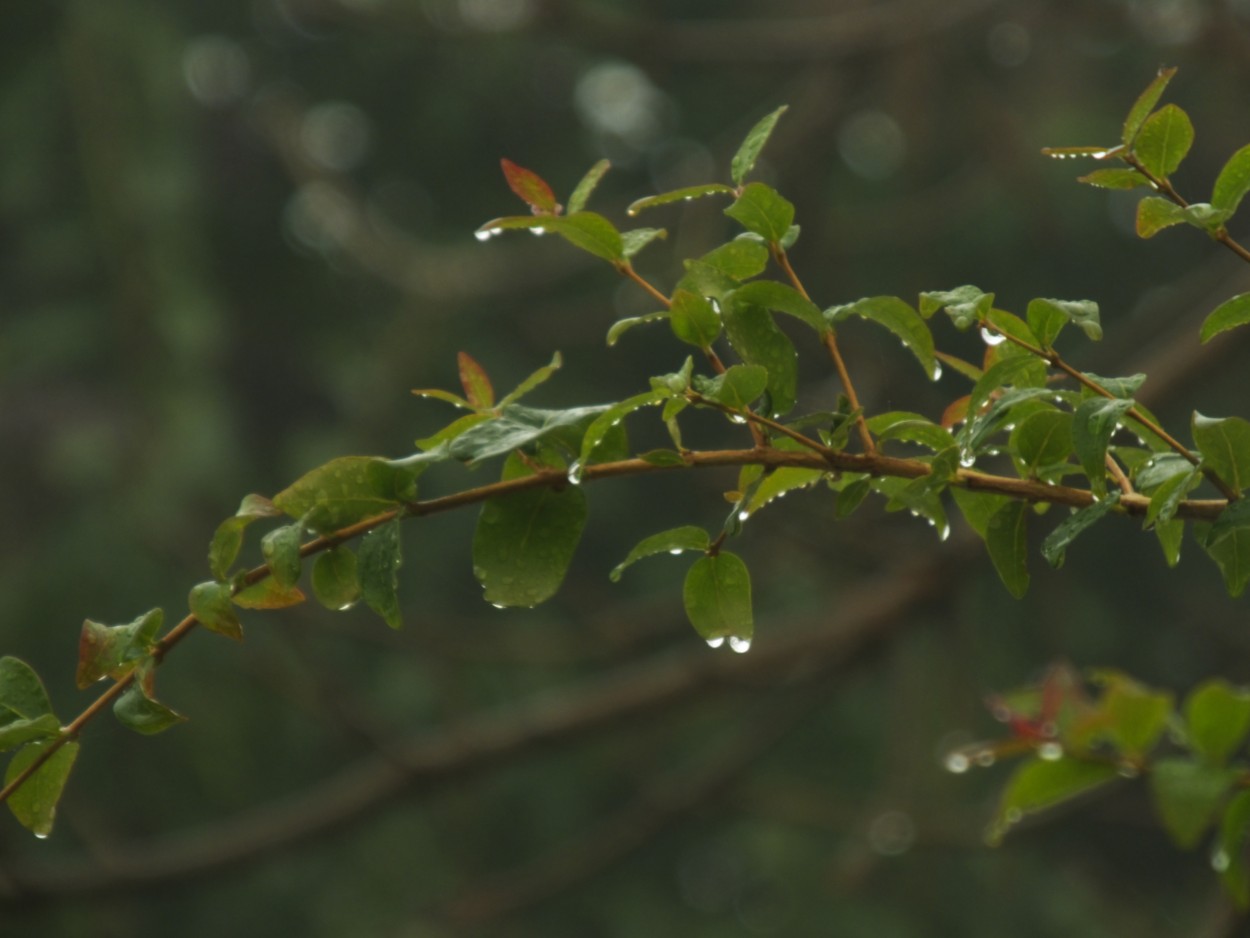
531, 187
475, 381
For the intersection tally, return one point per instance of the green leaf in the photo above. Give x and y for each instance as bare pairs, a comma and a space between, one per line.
538, 377
965, 305
737, 387
1168, 495
1093, 423
525, 541
1040, 442
1039, 784
978, 507
1114, 179
602, 425
1231, 554
758, 341
852, 489
1136, 716
911, 428
1047, 317
1007, 542
781, 482
898, 316
111, 651
761, 209
210, 602
1205, 216
22, 694
269, 594
1170, 534
1234, 517
1229, 857
335, 581
1230, 314
519, 427
280, 548
347, 490
738, 260
685, 194
1163, 140
1187, 797
621, 326
581, 194
1217, 719
435, 445
228, 538
744, 160
635, 240
380, 555
782, 299
1233, 182
672, 541
1144, 105
1225, 446
693, 319
717, 596
34, 803
1060, 539
19, 732
137, 711
1154, 214
589, 231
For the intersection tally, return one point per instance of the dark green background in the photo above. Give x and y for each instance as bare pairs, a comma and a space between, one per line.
235, 235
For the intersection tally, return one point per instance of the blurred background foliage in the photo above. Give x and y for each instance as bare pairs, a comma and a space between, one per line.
236, 234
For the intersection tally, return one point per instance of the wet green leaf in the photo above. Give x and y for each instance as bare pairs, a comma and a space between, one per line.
965, 305
1230, 314
1231, 554
737, 387
1059, 540
1233, 182
693, 319
621, 326
1234, 517
1155, 213
525, 541
672, 541
1225, 446
15, 733
1164, 139
1039, 784
1168, 494
589, 231
744, 160
228, 538
1114, 179
137, 711
1217, 719
635, 240
911, 428
1007, 542
34, 803
211, 603
347, 490
1093, 423
737, 260
280, 548
1047, 317
781, 482
763, 210
897, 316
684, 194
1040, 442
111, 651
269, 594
1170, 534
335, 581
1188, 796
978, 507
539, 376
1144, 105
22, 694
782, 298
756, 338
520, 427
582, 192
602, 425
380, 555
717, 596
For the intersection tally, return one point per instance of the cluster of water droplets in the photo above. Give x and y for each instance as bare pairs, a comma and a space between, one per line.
736, 643
485, 234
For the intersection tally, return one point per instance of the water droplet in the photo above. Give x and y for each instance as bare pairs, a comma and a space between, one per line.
674, 551
346, 606
1220, 860
743, 515
956, 762
985, 758
715, 304
737, 418
945, 533
538, 230
1050, 752
575, 473
499, 605
967, 459
992, 338
716, 642
41, 835
485, 234
936, 373
740, 645
1127, 770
